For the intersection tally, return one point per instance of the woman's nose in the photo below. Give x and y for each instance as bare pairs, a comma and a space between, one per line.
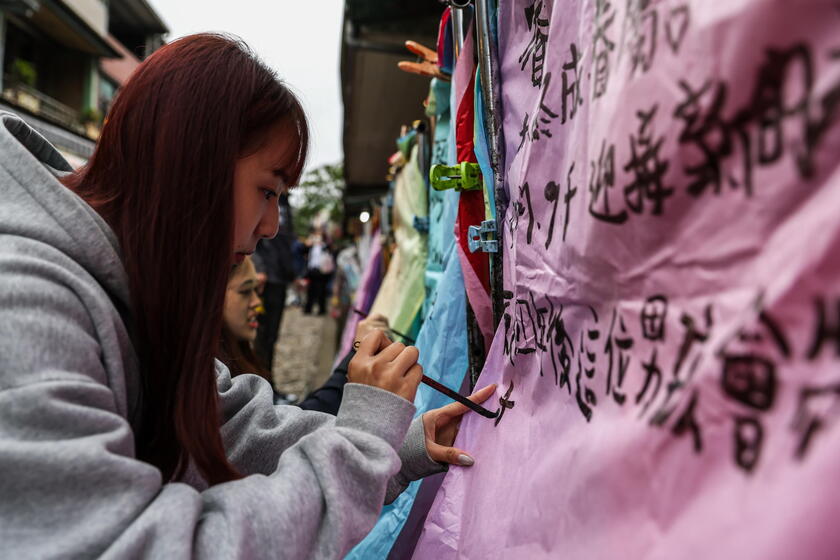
270, 223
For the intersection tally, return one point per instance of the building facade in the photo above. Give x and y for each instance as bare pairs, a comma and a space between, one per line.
64, 60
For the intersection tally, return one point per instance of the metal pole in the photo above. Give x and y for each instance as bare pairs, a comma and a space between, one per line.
457, 29
489, 75
475, 339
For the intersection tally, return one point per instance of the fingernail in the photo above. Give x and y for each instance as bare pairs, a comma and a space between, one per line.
465, 460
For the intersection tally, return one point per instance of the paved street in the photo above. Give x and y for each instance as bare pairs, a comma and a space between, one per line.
305, 351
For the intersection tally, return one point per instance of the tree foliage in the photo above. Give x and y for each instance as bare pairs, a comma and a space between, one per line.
318, 197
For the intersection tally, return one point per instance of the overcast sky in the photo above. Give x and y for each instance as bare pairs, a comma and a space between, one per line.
301, 39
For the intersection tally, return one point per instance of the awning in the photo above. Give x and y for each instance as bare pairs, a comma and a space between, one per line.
137, 16
56, 20
378, 97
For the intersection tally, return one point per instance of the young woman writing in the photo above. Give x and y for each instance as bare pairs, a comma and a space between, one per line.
120, 434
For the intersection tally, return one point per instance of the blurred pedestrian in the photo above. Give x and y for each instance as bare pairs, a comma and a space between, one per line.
275, 260
320, 268
300, 253
348, 271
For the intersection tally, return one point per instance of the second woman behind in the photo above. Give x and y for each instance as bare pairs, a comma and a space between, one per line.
239, 331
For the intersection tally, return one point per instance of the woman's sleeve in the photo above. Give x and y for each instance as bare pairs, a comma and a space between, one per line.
72, 487
256, 432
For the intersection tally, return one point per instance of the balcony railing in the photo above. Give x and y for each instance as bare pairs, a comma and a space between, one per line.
41, 104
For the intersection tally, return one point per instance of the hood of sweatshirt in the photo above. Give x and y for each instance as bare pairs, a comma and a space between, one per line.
35, 205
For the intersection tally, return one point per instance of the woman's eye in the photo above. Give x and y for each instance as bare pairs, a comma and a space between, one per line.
269, 194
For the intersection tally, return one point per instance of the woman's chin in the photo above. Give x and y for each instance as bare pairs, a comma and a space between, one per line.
246, 333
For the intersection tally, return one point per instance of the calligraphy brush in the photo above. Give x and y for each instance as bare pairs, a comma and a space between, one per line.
475, 407
398, 333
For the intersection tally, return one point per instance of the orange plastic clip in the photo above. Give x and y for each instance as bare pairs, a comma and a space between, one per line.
426, 64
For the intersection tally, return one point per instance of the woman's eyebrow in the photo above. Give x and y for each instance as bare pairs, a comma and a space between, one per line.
247, 283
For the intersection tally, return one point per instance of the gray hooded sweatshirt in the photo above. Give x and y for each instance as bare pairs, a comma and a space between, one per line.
70, 485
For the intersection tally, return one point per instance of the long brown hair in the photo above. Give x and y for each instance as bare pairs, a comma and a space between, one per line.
239, 356
162, 177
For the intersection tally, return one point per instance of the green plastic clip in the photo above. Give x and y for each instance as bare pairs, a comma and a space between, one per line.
465, 176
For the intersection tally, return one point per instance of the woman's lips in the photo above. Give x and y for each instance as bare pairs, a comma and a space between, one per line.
252, 321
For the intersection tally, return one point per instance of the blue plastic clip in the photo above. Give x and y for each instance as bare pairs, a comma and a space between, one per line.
477, 237
421, 223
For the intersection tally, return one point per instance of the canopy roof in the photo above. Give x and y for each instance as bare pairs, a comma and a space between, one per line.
378, 97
